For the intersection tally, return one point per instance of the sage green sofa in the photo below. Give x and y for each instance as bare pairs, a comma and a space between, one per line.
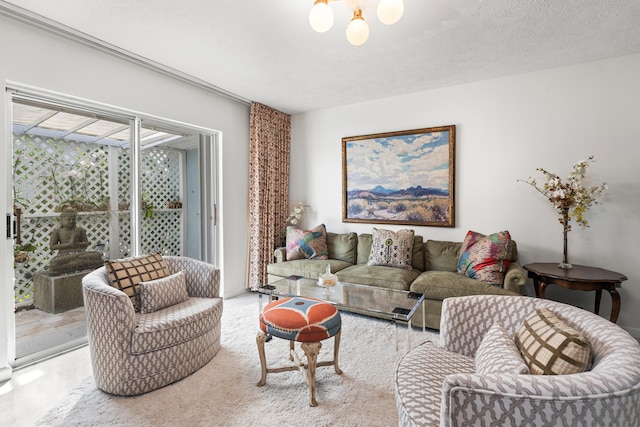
434, 271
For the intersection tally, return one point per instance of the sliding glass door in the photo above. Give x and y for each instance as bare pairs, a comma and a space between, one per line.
132, 185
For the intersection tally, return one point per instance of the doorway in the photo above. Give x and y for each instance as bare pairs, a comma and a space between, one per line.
131, 185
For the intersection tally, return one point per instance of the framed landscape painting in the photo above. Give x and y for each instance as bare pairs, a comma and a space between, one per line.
404, 177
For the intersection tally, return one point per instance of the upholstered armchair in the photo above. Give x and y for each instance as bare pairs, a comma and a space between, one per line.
135, 352
439, 384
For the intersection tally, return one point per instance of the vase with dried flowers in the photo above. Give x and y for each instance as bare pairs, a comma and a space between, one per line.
571, 199
296, 213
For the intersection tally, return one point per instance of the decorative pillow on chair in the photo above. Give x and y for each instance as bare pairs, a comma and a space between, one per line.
550, 346
392, 249
125, 274
485, 258
498, 353
310, 244
165, 292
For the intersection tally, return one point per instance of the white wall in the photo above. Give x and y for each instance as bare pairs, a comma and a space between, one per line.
33, 57
506, 128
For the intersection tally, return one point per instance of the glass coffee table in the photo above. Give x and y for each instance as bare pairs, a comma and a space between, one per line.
395, 305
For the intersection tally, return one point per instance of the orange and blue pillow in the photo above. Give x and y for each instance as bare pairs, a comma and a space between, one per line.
485, 258
311, 244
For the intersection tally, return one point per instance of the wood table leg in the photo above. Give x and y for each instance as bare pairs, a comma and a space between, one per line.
540, 292
596, 309
615, 305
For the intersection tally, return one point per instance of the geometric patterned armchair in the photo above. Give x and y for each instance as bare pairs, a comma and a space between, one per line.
437, 384
133, 353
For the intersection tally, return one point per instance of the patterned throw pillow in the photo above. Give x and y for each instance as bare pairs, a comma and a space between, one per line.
310, 244
550, 346
485, 258
165, 292
392, 249
498, 353
125, 274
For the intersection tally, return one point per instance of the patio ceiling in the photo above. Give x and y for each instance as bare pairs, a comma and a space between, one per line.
53, 123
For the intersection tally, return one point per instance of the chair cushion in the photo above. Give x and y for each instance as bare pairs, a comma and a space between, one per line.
176, 324
498, 353
485, 258
392, 249
300, 319
550, 346
125, 274
311, 244
165, 292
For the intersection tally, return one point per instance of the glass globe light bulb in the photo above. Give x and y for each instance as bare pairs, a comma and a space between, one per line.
358, 29
321, 16
390, 11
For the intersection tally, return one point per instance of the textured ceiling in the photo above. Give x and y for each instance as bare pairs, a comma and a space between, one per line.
265, 50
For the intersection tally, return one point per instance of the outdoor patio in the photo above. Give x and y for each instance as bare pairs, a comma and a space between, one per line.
40, 334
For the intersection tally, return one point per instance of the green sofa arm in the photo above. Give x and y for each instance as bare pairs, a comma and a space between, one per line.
280, 254
515, 278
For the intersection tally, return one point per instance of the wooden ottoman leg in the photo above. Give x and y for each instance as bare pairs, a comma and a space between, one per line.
260, 338
336, 348
311, 350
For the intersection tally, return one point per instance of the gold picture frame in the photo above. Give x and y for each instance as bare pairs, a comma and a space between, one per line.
405, 177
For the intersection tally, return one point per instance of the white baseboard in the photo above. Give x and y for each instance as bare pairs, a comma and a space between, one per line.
5, 373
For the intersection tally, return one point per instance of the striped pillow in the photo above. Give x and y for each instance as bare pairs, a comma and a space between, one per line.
550, 346
125, 274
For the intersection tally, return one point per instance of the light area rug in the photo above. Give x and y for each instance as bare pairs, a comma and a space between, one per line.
224, 392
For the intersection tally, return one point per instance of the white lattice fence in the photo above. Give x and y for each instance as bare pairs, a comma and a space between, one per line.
50, 174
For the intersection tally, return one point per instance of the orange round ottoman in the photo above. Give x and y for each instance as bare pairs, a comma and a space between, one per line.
305, 320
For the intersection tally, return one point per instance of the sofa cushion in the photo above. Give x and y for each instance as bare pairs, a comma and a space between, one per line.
550, 346
485, 258
392, 249
378, 275
499, 354
311, 244
126, 273
342, 247
438, 285
441, 256
310, 268
160, 293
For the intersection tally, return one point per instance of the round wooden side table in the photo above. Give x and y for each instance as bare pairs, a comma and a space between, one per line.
581, 278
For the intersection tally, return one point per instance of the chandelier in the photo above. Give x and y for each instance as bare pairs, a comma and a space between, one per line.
321, 18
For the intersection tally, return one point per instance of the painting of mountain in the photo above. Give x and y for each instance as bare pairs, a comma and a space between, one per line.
402, 177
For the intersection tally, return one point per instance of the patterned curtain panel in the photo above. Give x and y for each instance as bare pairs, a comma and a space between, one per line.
269, 142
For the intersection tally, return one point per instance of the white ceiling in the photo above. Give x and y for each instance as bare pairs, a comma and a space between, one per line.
265, 50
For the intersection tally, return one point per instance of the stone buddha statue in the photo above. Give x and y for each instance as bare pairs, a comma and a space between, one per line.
71, 243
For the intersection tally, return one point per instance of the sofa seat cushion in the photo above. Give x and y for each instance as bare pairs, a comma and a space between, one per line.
175, 325
438, 285
310, 268
419, 379
376, 275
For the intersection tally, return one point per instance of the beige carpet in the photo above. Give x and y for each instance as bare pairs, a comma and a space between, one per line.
224, 392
